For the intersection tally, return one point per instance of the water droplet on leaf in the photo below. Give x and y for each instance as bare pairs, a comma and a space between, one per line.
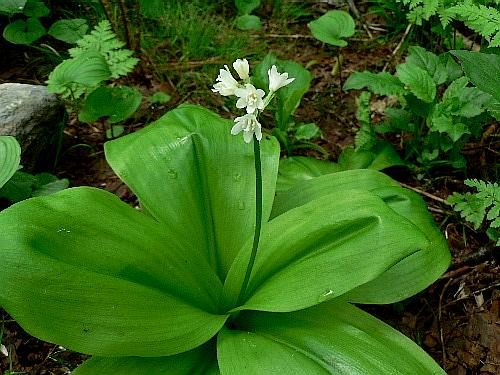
326, 295
172, 174
237, 177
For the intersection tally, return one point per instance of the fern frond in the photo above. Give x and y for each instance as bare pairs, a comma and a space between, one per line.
365, 136
105, 42
480, 18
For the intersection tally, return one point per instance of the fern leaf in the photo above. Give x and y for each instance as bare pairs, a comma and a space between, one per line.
471, 208
365, 136
105, 42
480, 18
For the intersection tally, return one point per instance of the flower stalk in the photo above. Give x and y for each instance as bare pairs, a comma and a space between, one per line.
258, 219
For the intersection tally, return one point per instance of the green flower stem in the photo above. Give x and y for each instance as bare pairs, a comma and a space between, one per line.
258, 218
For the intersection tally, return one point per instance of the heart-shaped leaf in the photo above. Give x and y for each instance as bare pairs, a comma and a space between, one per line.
332, 27
24, 32
69, 31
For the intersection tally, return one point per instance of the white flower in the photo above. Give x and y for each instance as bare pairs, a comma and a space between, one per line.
277, 80
249, 97
242, 68
249, 125
227, 84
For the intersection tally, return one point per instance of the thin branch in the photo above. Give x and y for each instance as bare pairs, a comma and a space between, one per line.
407, 31
428, 195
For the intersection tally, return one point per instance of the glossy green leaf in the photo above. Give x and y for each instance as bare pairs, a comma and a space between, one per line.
248, 22
69, 31
405, 278
199, 361
12, 6
116, 103
24, 32
332, 338
10, 157
332, 27
109, 279
192, 175
342, 240
418, 81
482, 69
296, 169
75, 76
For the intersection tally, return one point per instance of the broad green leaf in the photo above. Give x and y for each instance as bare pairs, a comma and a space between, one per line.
307, 131
110, 280
453, 70
69, 31
246, 6
382, 83
405, 278
296, 169
418, 81
12, 6
10, 157
115, 131
342, 240
199, 361
192, 175
380, 156
36, 9
332, 27
19, 187
248, 22
24, 32
482, 69
159, 97
75, 76
116, 103
429, 62
332, 338
47, 187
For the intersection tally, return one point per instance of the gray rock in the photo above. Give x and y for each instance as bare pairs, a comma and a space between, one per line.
35, 118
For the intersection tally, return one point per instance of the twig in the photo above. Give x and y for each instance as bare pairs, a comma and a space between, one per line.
428, 195
443, 349
355, 11
126, 23
458, 272
292, 36
489, 131
407, 31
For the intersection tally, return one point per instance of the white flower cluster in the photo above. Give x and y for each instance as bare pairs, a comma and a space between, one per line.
249, 97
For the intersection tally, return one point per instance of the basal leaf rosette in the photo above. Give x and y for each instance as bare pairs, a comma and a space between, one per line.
154, 290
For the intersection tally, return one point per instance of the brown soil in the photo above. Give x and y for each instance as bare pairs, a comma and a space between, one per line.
456, 320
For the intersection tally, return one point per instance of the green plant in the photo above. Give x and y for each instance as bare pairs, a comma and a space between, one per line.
476, 207
245, 20
15, 185
97, 58
331, 28
477, 15
160, 291
291, 135
29, 29
438, 124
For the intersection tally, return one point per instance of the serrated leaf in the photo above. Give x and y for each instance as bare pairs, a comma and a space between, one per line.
248, 22
429, 62
382, 83
419, 82
24, 32
482, 69
10, 157
115, 103
332, 27
69, 31
75, 76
